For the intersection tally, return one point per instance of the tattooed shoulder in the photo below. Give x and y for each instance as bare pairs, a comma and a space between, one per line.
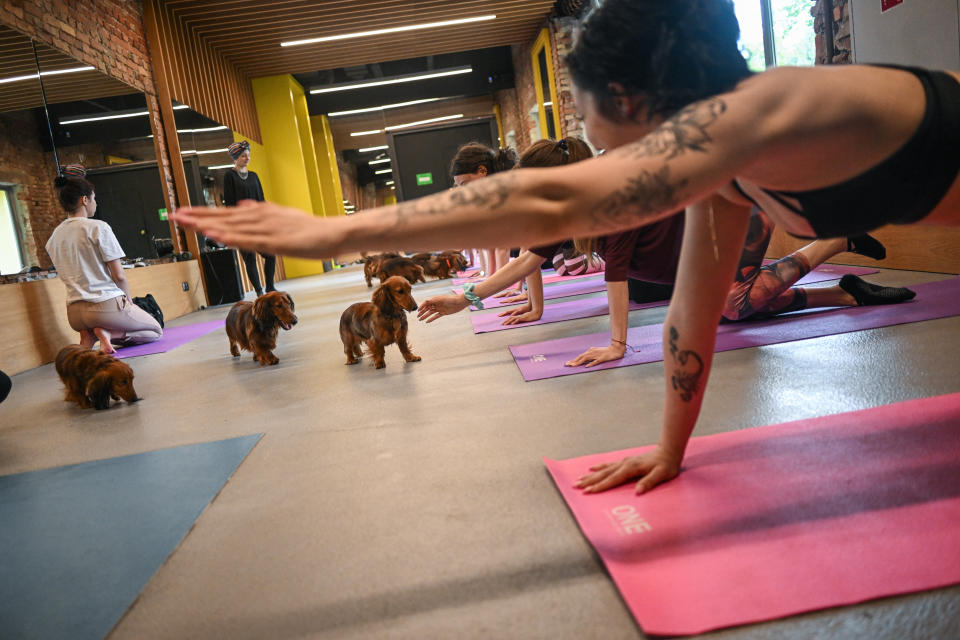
686, 130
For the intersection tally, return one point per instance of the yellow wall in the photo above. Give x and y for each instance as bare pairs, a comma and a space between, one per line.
327, 166
289, 154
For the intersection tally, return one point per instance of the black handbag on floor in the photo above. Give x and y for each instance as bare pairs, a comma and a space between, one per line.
149, 304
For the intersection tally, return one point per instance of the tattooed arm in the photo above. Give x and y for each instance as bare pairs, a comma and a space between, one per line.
685, 159
689, 333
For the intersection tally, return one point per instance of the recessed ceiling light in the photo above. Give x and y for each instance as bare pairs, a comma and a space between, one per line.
378, 32
397, 105
366, 149
381, 171
366, 133
33, 76
397, 80
380, 161
419, 122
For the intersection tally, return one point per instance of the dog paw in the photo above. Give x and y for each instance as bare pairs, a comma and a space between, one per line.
414, 359
353, 361
379, 365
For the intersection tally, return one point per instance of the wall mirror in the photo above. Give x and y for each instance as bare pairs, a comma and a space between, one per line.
545, 86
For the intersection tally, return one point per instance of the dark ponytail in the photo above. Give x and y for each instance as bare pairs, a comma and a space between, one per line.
71, 190
671, 52
473, 155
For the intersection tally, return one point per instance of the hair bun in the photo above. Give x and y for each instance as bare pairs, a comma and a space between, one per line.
60, 182
504, 159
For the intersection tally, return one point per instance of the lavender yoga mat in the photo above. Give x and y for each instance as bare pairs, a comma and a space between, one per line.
822, 273
173, 337
558, 312
934, 300
549, 277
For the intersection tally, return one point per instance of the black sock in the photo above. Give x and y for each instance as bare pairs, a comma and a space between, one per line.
868, 246
869, 294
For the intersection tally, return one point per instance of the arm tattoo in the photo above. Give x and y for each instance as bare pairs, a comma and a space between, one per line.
686, 130
489, 193
686, 380
647, 193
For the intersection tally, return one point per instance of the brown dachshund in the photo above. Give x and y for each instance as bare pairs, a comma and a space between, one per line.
253, 325
442, 265
379, 323
371, 265
400, 267
92, 378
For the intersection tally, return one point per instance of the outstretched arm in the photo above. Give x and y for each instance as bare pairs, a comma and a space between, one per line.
712, 242
685, 159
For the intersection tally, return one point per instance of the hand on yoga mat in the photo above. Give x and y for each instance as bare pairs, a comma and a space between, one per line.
512, 292
595, 355
265, 227
438, 306
653, 468
521, 314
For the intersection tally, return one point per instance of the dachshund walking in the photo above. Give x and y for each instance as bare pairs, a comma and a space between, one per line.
379, 323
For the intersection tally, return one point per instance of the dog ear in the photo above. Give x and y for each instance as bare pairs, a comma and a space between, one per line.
260, 308
383, 300
99, 389
293, 307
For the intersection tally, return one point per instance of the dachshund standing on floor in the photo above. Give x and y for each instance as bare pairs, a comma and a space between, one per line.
371, 265
92, 378
253, 325
379, 323
400, 267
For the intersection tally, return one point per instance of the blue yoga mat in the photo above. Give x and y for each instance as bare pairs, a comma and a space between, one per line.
78, 543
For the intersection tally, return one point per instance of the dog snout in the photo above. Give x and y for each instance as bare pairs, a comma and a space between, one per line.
294, 321
414, 308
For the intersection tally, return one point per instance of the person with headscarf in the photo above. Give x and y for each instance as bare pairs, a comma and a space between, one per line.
239, 183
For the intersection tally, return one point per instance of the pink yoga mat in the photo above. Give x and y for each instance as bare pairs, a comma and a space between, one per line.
173, 337
557, 312
934, 300
774, 521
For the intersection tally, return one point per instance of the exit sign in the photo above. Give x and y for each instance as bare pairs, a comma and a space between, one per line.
424, 179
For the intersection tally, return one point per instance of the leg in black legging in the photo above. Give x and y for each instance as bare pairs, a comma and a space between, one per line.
5, 385
269, 268
250, 260
641, 291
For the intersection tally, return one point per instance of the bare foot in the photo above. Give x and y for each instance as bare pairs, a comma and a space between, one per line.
104, 336
87, 339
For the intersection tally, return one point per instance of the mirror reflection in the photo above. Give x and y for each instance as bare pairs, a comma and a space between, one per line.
545, 88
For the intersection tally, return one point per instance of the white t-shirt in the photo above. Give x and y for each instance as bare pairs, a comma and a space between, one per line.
80, 249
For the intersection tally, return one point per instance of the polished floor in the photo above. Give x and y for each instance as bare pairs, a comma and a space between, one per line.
411, 502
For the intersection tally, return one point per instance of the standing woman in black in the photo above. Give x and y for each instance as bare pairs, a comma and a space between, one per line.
241, 184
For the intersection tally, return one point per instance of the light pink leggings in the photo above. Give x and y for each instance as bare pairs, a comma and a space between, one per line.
123, 319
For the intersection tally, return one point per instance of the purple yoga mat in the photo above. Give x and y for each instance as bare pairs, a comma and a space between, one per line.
934, 300
173, 337
822, 273
558, 312
549, 276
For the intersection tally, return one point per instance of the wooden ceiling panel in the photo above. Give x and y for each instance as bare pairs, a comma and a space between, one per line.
16, 59
248, 33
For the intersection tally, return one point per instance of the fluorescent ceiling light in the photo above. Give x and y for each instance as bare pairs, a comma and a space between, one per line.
419, 122
378, 32
548, 103
220, 166
118, 116
205, 129
380, 161
366, 149
366, 133
200, 153
384, 107
33, 76
388, 182
398, 80
383, 171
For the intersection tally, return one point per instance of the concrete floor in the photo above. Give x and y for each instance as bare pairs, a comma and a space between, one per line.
411, 502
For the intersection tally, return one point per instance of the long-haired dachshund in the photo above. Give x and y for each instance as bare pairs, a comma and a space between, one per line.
92, 378
400, 267
441, 265
371, 265
253, 325
379, 323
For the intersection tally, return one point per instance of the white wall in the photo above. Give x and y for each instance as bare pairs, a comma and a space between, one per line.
924, 33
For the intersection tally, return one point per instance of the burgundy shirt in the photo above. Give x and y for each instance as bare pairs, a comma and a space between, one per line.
650, 253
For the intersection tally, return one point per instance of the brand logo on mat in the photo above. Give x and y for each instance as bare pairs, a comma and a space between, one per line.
627, 521
538, 358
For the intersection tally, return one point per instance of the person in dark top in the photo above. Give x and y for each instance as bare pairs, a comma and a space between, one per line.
241, 184
5, 385
646, 259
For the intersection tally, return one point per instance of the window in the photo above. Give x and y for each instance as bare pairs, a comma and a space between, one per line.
11, 255
790, 37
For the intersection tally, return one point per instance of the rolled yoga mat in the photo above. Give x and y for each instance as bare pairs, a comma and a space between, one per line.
644, 344
822, 273
774, 521
173, 337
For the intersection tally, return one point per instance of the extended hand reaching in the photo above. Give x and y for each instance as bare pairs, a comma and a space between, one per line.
265, 227
653, 468
437, 306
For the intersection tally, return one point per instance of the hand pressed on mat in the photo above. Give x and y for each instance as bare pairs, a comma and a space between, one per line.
653, 468
595, 355
519, 315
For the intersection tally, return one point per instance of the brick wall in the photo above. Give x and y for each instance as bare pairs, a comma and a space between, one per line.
831, 25
561, 35
348, 181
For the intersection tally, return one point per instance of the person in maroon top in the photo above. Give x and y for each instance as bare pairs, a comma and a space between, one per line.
648, 256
